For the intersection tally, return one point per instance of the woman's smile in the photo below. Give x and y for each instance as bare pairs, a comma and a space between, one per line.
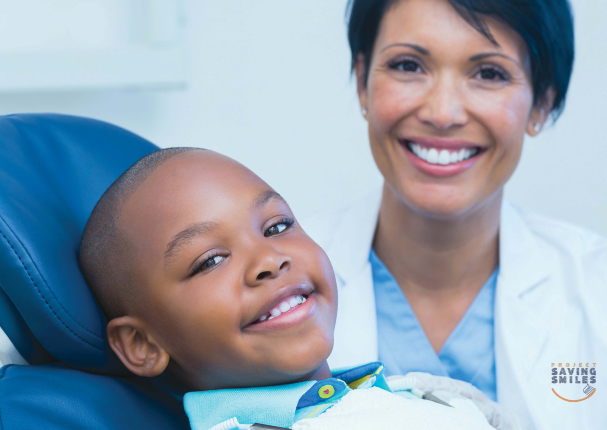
441, 157
440, 107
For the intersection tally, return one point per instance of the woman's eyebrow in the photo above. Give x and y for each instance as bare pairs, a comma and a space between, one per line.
418, 48
479, 57
186, 235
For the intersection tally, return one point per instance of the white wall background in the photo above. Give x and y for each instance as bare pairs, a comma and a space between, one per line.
269, 86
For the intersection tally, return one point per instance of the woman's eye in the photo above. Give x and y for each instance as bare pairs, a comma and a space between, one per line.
491, 74
279, 227
405, 66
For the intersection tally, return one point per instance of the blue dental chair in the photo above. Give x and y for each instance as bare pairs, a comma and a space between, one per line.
53, 169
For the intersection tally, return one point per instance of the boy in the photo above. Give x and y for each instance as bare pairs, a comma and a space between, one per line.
205, 276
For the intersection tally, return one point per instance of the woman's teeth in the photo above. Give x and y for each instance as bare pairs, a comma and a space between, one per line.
442, 156
283, 307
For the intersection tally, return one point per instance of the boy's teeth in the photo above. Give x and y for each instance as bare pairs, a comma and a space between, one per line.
443, 156
283, 307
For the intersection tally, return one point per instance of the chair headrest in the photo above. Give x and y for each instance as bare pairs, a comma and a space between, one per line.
53, 170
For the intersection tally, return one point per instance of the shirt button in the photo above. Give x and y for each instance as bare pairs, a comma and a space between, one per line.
326, 391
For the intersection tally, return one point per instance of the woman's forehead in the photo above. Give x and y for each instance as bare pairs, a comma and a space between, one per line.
435, 23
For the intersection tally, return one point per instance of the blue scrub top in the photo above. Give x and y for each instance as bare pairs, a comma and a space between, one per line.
467, 355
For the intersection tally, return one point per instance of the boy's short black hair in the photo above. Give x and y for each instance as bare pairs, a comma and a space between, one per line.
545, 25
102, 257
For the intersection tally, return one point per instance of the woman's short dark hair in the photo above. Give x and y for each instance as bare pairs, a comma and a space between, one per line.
545, 25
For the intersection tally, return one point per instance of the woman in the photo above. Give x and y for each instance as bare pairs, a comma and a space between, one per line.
437, 273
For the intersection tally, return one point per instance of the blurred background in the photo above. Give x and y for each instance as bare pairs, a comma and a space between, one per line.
267, 82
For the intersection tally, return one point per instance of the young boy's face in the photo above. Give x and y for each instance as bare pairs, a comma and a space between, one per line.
215, 253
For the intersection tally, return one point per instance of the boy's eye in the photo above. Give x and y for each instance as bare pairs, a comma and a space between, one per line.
208, 264
279, 227
213, 261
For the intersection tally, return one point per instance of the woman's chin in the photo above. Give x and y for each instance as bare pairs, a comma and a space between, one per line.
434, 204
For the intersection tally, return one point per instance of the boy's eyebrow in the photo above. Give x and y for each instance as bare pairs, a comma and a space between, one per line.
204, 227
186, 235
265, 197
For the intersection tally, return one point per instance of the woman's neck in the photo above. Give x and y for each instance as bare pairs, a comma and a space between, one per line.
440, 264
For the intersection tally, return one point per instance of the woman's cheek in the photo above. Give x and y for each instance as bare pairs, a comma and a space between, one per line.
391, 101
505, 115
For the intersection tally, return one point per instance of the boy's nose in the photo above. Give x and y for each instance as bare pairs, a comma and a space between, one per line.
268, 264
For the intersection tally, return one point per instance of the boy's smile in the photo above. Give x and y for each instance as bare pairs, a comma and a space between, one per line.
228, 285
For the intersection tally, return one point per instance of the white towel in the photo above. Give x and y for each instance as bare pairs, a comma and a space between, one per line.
375, 408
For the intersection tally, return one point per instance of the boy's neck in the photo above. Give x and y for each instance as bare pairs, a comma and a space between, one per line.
175, 386
323, 372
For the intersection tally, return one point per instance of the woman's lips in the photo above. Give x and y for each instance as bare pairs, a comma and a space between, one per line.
296, 314
441, 158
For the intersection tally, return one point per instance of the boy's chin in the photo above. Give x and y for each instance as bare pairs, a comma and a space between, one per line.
295, 375
301, 363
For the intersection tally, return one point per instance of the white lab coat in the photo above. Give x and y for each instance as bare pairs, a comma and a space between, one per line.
551, 307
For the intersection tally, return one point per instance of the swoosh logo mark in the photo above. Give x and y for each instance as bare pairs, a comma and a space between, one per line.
573, 401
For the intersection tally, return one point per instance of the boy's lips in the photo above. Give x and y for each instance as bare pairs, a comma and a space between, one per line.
292, 296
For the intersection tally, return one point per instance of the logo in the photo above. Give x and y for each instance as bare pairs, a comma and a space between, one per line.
569, 375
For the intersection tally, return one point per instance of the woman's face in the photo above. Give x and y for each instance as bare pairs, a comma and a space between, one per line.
447, 108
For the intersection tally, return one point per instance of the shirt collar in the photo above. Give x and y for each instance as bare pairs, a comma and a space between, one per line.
277, 405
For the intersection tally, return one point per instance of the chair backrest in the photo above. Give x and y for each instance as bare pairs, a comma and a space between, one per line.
53, 169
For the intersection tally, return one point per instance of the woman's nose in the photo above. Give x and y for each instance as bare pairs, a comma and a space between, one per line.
443, 106
267, 263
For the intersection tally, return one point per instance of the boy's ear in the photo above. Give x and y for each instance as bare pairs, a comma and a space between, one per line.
136, 348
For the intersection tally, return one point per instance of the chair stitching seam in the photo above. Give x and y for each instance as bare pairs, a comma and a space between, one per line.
45, 301
4, 370
2, 376
51, 291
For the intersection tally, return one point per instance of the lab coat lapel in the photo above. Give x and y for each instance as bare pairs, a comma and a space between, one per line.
520, 333
520, 330
356, 327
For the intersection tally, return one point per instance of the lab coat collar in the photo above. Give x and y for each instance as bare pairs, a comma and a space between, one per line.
521, 264
352, 243
521, 330
520, 267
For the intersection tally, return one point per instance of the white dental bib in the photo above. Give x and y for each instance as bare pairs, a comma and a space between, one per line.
375, 408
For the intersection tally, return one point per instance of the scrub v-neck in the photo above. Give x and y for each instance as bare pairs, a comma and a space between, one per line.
467, 355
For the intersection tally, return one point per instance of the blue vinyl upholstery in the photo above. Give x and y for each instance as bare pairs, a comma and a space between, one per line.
53, 169
53, 397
